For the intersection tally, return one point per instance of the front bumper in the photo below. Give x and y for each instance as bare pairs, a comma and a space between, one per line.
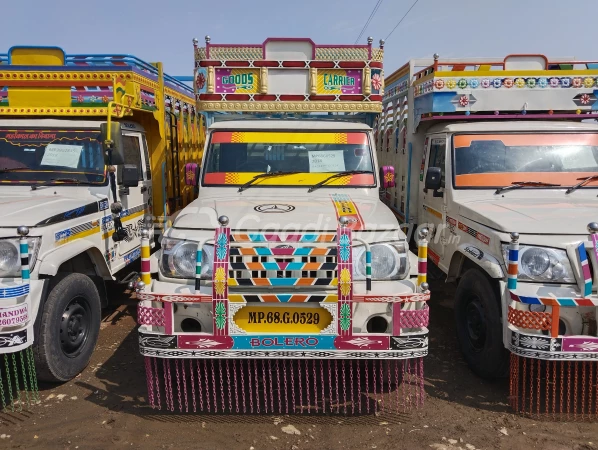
19, 302
164, 308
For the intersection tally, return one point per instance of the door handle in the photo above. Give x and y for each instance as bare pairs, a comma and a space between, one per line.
143, 189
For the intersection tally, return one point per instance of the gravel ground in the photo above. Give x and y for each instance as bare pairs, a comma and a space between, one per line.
105, 407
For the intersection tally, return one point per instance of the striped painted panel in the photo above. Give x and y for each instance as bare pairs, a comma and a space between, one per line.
259, 237
282, 266
301, 251
282, 282
282, 298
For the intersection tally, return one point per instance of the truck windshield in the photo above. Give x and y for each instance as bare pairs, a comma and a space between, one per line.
495, 160
40, 155
234, 158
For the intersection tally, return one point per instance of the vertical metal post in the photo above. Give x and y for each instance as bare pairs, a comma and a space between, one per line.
513, 262
422, 257
24, 251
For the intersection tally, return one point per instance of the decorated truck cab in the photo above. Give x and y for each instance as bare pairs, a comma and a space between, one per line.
74, 199
495, 157
286, 285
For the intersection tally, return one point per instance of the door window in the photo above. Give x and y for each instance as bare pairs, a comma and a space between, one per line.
133, 153
437, 156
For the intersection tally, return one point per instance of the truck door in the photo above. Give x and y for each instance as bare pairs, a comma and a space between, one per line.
433, 205
136, 201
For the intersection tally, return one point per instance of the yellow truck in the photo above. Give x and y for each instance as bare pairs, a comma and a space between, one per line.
91, 147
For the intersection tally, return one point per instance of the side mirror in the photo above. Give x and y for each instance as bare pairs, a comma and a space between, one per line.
191, 174
129, 176
433, 178
114, 144
387, 175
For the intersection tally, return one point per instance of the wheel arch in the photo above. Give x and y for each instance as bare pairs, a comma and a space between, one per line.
470, 256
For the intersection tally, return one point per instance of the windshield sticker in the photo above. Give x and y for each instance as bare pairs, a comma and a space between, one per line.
326, 161
344, 206
62, 155
273, 137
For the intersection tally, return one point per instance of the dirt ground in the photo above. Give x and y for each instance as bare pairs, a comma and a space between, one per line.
105, 407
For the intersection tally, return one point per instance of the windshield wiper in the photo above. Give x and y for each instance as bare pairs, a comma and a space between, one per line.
57, 180
520, 184
583, 182
337, 175
264, 175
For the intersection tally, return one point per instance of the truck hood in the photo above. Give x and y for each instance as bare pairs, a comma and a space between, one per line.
41, 209
293, 214
533, 215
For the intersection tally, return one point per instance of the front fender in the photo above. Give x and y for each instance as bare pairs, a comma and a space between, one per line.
482, 258
51, 261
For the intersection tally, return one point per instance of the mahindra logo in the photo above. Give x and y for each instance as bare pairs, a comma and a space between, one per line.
274, 208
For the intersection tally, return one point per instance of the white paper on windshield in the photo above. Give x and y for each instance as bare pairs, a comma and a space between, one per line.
326, 161
62, 155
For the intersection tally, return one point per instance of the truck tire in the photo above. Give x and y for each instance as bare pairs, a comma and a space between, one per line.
70, 324
479, 327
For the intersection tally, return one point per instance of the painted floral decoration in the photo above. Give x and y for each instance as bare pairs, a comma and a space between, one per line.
201, 81
520, 82
451, 84
462, 83
376, 81
531, 82
542, 82
577, 82
464, 100
508, 83
554, 82
345, 282
585, 99
80, 99
439, 84
345, 317
588, 82
486, 83
474, 83
566, 82
219, 280
345, 248
220, 315
497, 82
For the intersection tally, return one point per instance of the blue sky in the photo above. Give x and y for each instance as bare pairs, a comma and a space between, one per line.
453, 28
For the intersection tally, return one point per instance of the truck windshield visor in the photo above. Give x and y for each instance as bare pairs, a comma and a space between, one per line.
236, 157
496, 160
30, 155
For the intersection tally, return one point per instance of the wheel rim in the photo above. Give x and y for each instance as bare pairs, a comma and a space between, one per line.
74, 326
475, 324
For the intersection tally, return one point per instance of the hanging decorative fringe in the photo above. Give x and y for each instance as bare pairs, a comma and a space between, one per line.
561, 390
18, 381
284, 386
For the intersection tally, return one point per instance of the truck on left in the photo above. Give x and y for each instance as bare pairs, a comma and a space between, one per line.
91, 148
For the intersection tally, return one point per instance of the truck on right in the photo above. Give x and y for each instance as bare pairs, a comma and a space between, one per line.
498, 157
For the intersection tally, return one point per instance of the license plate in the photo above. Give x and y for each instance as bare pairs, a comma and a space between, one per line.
281, 319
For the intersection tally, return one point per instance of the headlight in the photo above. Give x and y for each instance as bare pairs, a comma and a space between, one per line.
10, 259
389, 261
178, 259
542, 264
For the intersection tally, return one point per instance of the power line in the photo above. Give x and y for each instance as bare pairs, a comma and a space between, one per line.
403, 18
369, 20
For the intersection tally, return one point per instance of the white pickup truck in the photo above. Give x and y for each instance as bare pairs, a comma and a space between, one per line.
79, 205
494, 158
287, 256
